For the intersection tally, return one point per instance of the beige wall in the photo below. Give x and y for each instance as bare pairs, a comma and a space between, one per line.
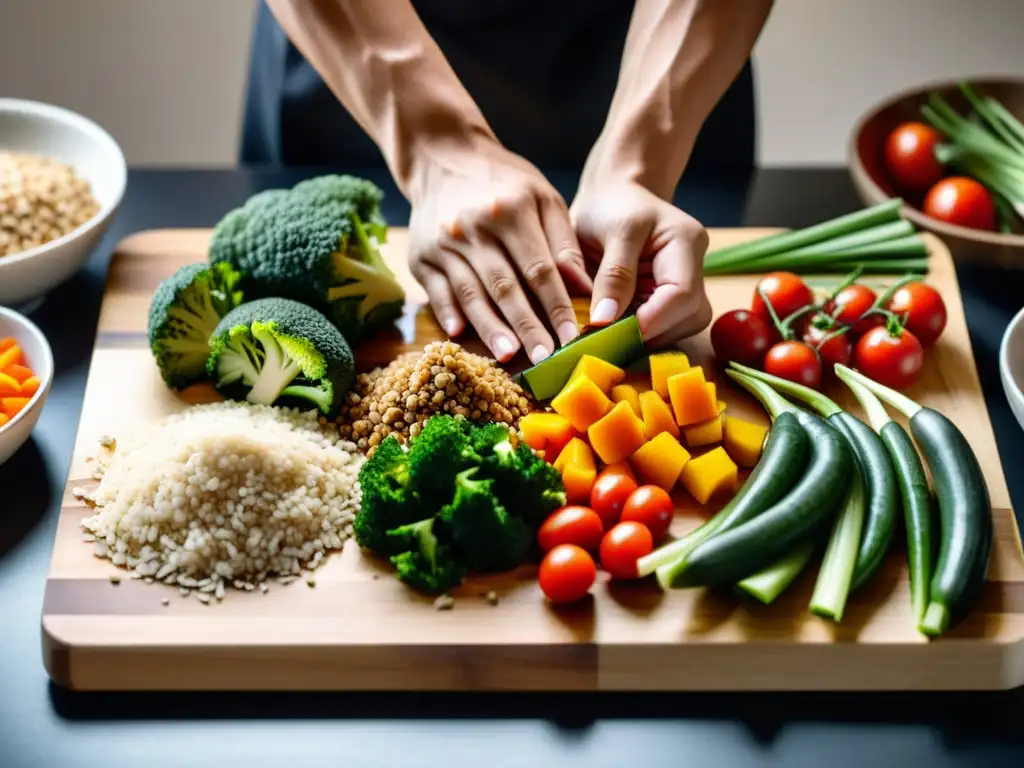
166, 76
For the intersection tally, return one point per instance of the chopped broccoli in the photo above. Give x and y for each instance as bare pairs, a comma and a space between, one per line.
185, 310
529, 486
487, 538
387, 501
424, 563
313, 244
485, 437
442, 450
276, 349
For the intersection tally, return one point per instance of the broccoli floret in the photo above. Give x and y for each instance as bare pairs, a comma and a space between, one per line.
424, 563
484, 437
313, 244
486, 536
387, 499
276, 349
185, 310
442, 450
527, 485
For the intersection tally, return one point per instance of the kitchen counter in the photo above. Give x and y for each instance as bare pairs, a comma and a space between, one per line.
42, 725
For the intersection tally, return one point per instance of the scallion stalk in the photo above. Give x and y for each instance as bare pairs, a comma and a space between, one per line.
836, 573
769, 583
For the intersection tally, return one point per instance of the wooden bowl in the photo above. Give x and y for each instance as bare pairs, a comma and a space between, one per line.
864, 155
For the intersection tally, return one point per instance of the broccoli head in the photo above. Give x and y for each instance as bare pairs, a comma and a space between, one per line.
387, 499
424, 562
183, 314
438, 453
486, 536
316, 243
530, 487
272, 350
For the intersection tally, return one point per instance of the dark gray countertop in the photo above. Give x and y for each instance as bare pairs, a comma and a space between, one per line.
41, 725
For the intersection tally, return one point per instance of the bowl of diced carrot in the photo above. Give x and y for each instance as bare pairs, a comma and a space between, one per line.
26, 371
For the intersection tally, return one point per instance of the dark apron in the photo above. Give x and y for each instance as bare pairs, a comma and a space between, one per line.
542, 71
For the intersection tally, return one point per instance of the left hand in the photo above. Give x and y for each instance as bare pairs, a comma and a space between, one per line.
640, 241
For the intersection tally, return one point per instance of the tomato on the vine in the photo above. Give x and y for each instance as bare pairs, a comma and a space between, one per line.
921, 310
795, 361
566, 573
787, 293
909, 155
830, 341
961, 201
890, 354
849, 306
652, 507
741, 336
622, 546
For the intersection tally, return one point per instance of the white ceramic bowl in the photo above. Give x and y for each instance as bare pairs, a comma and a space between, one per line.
37, 353
1011, 365
31, 127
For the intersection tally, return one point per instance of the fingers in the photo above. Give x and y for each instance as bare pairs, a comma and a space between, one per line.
563, 245
442, 299
678, 306
615, 283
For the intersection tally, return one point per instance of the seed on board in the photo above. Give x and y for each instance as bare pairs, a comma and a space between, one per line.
444, 603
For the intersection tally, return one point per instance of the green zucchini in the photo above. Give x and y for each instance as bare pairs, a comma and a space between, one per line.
965, 509
730, 556
881, 494
779, 468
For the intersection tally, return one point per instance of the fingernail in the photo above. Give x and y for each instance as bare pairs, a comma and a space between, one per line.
503, 347
568, 331
539, 353
450, 325
604, 312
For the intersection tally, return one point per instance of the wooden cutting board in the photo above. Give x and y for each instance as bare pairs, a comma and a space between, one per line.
359, 629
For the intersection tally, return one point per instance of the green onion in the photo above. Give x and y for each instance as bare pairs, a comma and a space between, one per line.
768, 584
836, 573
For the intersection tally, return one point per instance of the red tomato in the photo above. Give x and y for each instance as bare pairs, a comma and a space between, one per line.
890, 355
831, 348
741, 336
622, 546
923, 308
608, 496
787, 293
795, 361
909, 155
566, 573
652, 507
961, 201
571, 525
849, 305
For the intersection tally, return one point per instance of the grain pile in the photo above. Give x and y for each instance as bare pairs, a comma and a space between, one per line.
443, 378
225, 494
41, 199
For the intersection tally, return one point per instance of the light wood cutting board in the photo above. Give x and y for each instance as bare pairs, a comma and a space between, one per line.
359, 629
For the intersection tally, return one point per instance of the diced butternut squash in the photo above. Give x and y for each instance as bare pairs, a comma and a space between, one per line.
617, 435
30, 386
582, 402
548, 432
664, 365
704, 432
578, 469
744, 440
618, 468
657, 416
721, 406
693, 398
626, 393
17, 372
599, 371
9, 386
660, 461
709, 474
12, 405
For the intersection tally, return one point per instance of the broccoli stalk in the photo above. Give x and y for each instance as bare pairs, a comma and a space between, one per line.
424, 563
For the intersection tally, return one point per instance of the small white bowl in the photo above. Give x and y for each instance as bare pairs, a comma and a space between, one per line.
31, 127
1011, 365
36, 349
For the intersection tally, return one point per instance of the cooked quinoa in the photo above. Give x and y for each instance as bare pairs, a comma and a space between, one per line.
442, 378
225, 494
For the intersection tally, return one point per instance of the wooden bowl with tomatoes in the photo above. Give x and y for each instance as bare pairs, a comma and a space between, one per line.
917, 145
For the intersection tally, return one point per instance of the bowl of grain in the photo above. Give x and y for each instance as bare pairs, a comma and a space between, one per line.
62, 178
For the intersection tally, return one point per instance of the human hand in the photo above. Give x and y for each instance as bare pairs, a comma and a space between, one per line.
647, 251
482, 218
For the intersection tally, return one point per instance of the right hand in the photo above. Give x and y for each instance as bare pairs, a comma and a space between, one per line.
482, 217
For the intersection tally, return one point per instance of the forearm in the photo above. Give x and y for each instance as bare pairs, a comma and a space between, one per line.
680, 58
381, 63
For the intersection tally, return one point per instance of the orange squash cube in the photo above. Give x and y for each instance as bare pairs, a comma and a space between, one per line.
599, 371
657, 416
626, 393
660, 461
618, 468
548, 432
666, 364
582, 402
709, 474
578, 469
744, 440
616, 435
704, 432
693, 398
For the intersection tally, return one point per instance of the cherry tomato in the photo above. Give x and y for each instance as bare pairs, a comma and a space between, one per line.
609, 495
795, 361
571, 525
890, 355
924, 309
742, 336
832, 347
909, 156
787, 293
849, 305
961, 201
622, 546
652, 507
566, 573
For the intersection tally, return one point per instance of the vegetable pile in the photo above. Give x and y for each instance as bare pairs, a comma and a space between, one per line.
18, 383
